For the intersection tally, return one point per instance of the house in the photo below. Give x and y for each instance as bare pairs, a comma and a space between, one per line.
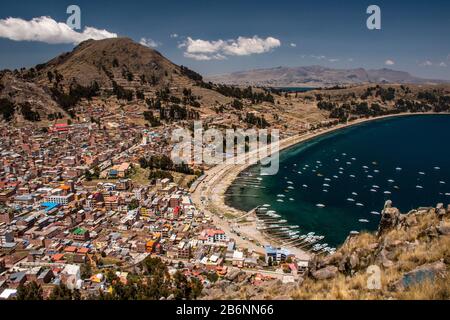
184, 250
276, 254
81, 234
214, 235
8, 294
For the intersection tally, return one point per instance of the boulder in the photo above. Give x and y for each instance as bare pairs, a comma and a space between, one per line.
389, 219
425, 272
444, 228
383, 259
329, 272
354, 261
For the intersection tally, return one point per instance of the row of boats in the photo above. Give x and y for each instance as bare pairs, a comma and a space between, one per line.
272, 224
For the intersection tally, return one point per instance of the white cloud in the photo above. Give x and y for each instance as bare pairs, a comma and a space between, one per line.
350, 59
426, 63
443, 64
389, 62
321, 57
293, 45
174, 35
45, 29
333, 60
218, 50
204, 57
149, 43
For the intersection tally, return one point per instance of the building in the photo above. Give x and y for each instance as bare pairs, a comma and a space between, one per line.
6, 237
6, 216
276, 254
214, 235
184, 250
63, 200
81, 234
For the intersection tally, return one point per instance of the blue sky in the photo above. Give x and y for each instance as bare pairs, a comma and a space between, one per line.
414, 35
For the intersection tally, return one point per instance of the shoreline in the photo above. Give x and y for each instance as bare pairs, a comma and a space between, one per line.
209, 195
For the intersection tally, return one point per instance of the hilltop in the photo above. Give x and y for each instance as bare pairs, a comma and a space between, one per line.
317, 76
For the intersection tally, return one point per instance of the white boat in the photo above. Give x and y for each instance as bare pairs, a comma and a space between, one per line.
419, 187
290, 182
391, 181
421, 173
299, 172
281, 195
280, 200
375, 213
325, 190
365, 167
398, 169
348, 162
353, 159
327, 179
376, 171
447, 194
387, 192
319, 205
336, 177
291, 199
442, 182
437, 168
363, 220
290, 188
373, 190
375, 186
354, 232
369, 176
354, 193
352, 176
359, 204
326, 185
350, 199
305, 186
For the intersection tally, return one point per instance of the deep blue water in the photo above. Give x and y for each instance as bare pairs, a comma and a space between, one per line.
296, 89
419, 145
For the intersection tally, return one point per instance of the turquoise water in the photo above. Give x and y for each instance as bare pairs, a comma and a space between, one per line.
406, 157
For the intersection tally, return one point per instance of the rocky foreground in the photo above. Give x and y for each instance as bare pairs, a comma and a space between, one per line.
411, 252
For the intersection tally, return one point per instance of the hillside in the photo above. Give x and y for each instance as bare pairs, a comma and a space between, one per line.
412, 251
316, 76
98, 70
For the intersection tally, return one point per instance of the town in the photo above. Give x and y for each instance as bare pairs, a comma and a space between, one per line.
74, 208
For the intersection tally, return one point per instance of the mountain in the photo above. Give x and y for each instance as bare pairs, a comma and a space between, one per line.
316, 76
116, 67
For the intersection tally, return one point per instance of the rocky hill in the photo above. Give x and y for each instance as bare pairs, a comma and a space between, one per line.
111, 67
316, 76
412, 252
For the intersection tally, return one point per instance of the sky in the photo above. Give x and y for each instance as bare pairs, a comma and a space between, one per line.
215, 37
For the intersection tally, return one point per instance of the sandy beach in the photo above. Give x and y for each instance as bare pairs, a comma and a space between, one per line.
209, 195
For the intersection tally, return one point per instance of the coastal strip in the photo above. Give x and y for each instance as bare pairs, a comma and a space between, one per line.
209, 194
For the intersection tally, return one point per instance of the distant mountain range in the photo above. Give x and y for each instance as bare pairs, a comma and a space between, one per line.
317, 76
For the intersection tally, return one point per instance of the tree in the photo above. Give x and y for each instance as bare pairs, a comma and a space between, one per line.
61, 292
182, 289
30, 291
196, 288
